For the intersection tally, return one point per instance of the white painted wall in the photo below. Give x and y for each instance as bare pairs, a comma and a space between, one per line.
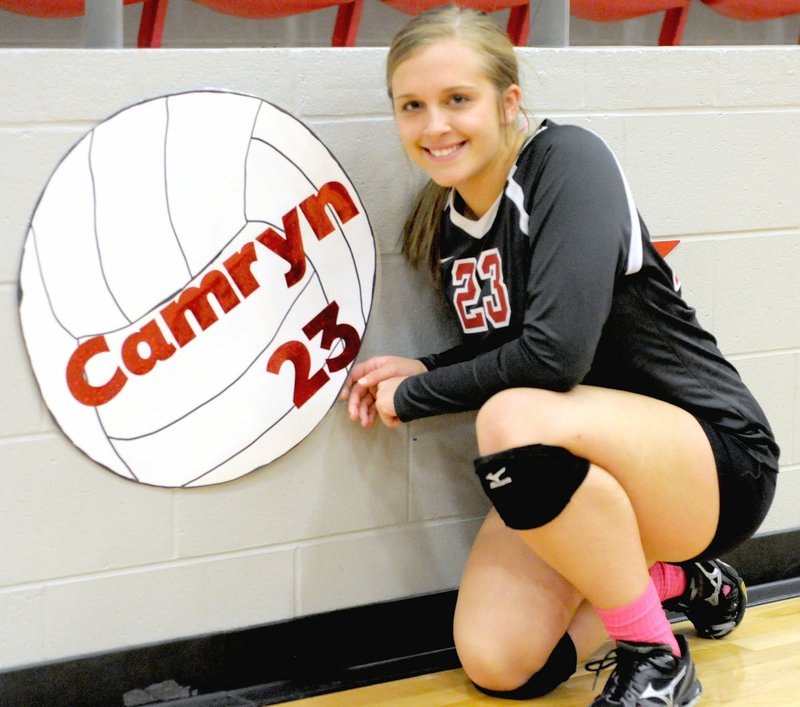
93, 563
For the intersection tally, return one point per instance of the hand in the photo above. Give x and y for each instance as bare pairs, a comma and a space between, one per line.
361, 387
384, 401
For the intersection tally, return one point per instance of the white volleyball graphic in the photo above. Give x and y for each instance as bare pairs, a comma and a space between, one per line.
195, 284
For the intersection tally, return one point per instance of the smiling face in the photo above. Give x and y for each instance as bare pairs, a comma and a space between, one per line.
453, 123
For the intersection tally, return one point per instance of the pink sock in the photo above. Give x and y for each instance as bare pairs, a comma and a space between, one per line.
670, 580
641, 621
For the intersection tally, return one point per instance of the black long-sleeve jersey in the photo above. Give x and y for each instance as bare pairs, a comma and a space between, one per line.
558, 284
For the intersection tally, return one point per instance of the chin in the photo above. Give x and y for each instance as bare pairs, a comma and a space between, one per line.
444, 180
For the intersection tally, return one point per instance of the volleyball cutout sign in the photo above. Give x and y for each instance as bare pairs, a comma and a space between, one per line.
195, 283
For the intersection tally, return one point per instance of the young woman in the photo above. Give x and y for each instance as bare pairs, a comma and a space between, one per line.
615, 439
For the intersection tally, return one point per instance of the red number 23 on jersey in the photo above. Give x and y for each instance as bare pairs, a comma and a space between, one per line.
475, 310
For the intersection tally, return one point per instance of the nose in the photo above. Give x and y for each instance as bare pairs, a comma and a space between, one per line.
437, 123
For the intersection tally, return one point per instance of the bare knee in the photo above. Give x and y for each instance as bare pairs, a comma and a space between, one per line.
518, 416
493, 663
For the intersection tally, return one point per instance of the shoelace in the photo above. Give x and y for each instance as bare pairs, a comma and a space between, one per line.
609, 660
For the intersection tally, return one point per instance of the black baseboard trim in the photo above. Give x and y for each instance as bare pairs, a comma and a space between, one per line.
768, 558
313, 655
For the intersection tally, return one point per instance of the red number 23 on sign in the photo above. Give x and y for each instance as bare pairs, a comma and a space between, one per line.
306, 384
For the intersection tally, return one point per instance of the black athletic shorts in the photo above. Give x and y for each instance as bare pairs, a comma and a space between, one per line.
746, 490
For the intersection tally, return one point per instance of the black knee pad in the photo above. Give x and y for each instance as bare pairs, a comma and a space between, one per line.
529, 486
561, 664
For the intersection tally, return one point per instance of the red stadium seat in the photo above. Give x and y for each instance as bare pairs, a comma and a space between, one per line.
754, 9
676, 14
518, 19
344, 31
151, 26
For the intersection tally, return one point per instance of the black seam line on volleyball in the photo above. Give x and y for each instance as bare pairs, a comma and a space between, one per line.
112, 440
216, 395
247, 159
331, 211
190, 275
112, 447
44, 286
247, 446
171, 296
52, 310
310, 183
166, 192
39, 261
61, 324
253, 441
130, 321
94, 228
246, 221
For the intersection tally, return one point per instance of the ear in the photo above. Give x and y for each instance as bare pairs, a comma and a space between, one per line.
512, 98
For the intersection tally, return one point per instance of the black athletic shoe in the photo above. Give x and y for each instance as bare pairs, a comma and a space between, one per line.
648, 675
714, 600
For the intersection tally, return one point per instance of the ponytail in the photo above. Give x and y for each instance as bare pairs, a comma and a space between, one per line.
420, 237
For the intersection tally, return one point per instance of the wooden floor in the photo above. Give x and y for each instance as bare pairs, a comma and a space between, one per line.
756, 666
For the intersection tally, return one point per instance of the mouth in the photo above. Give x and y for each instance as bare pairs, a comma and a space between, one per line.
443, 153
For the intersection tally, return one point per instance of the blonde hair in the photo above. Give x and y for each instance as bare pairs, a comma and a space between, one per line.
420, 236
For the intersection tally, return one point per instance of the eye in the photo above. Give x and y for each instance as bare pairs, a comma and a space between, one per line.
458, 99
410, 106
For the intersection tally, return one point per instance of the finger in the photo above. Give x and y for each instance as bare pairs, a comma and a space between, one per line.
378, 375
365, 410
355, 410
354, 401
360, 370
349, 382
361, 399
364, 367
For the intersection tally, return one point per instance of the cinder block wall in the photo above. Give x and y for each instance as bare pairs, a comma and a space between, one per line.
94, 563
